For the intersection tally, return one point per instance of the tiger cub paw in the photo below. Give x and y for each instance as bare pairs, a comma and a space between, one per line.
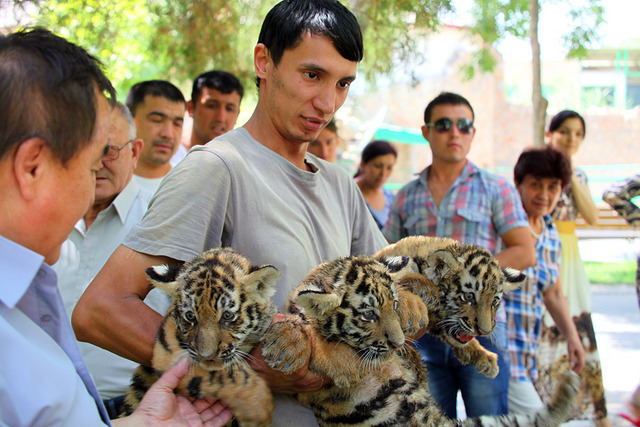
286, 346
488, 366
412, 312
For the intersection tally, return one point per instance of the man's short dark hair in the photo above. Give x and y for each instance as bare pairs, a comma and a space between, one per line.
161, 88
219, 80
446, 98
48, 90
544, 162
288, 21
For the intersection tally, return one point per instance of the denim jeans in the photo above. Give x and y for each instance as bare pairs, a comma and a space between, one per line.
446, 375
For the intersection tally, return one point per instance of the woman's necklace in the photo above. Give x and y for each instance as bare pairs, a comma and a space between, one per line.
533, 233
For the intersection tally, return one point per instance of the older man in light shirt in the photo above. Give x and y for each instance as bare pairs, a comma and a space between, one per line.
119, 204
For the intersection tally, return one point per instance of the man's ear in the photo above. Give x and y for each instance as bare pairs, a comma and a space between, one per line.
190, 108
136, 149
425, 132
261, 59
30, 162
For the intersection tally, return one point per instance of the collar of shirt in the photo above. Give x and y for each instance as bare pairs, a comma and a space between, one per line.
18, 267
125, 199
122, 204
469, 170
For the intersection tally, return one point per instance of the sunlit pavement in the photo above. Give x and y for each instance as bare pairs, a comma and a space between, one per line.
616, 320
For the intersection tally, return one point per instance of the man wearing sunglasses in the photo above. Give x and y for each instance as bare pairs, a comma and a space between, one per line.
119, 204
454, 198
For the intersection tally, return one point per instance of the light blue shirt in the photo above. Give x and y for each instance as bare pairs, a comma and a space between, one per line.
43, 379
82, 256
86, 250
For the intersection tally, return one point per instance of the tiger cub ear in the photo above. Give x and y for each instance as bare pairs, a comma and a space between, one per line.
262, 281
439, 264
514, 278
399, 264
164, 277
316, 300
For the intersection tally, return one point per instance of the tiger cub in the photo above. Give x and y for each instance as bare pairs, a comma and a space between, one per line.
350, 307
221, 306
462, 286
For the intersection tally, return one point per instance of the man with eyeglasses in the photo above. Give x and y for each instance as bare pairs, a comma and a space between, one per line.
119, 204
454, 198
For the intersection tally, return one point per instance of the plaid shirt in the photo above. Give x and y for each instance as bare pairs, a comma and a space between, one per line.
524, 306
477, 209
566, 208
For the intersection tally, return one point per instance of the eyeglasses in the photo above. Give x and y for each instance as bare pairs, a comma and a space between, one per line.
111, 152
445, 124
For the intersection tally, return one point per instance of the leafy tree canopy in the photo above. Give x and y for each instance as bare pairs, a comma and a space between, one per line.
493, 20
177, 40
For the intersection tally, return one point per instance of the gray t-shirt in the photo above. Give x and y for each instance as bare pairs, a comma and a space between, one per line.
235, 192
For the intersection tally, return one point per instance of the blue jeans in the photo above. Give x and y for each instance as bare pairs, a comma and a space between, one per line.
446, 375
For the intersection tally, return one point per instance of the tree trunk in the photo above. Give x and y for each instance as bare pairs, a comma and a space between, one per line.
539, 103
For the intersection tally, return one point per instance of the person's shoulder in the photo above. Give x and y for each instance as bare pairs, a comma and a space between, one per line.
581, 174
333, 169
229, 148
491, 178
413, 184
229, 142
483, 173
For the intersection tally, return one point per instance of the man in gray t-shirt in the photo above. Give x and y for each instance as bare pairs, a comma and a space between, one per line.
254, 189
237, 193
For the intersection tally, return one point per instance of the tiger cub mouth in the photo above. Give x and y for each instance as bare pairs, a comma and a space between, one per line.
464, 338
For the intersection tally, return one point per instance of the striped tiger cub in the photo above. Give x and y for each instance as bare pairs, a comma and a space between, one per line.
221, 306
356, 315
462, 286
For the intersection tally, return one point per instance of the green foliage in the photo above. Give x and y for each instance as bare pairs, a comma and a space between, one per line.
200, 35
389, 30
118, 39
177, 40
611, 272
585, 23
494, 19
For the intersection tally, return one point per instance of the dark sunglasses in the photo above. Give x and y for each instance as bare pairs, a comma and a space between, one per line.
445, 124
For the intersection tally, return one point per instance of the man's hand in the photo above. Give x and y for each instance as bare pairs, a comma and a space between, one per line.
301, 380
161, 407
